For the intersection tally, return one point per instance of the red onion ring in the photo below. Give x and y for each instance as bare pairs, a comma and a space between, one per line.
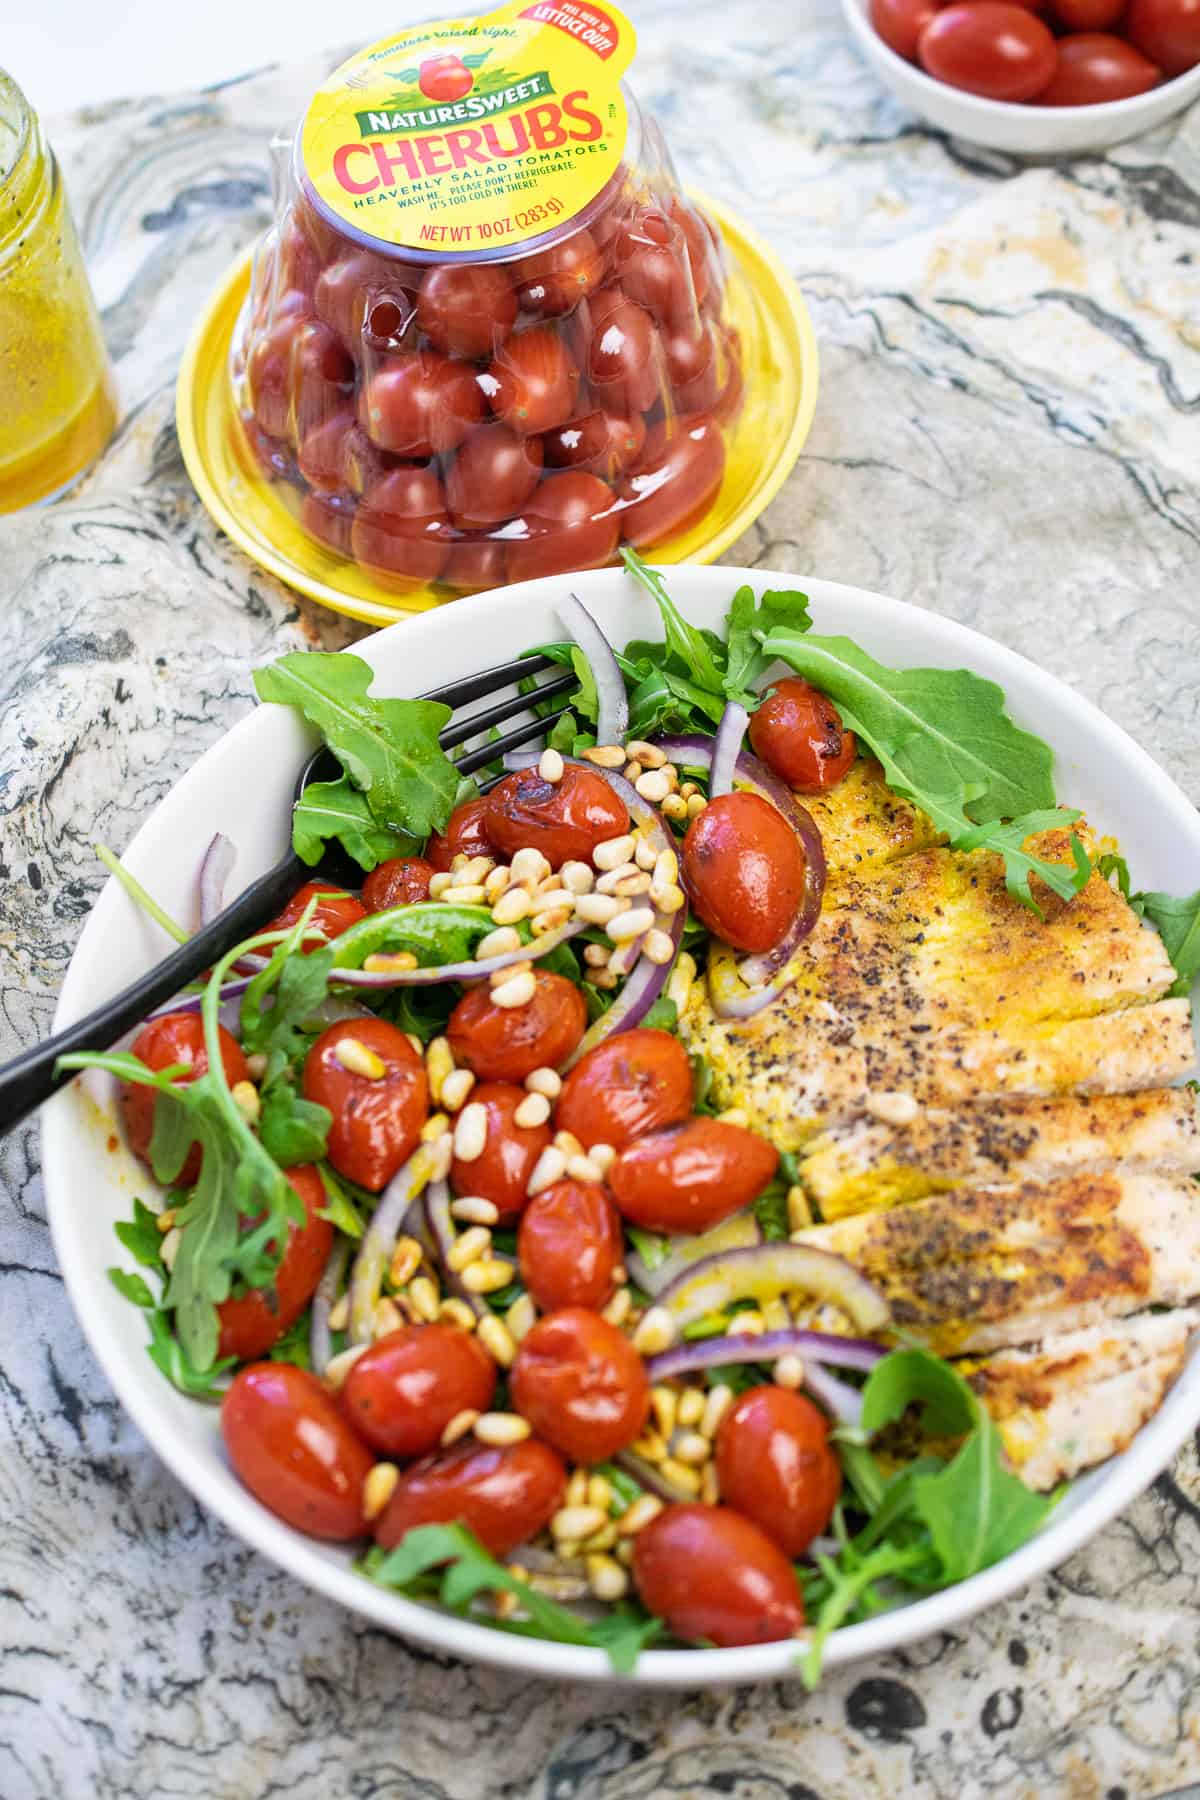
736, 1347
215, 869
726, 748
763, 1273
837, 1397
612, 710
443, 1231
320, 1338
737, 1233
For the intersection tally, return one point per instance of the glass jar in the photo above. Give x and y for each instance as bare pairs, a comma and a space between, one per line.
57, 403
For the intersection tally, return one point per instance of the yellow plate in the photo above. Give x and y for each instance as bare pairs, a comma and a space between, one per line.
780, 372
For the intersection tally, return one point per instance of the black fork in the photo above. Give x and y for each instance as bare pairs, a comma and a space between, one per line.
30, 1078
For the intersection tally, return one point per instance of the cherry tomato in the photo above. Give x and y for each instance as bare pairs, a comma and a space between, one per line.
269, 378
404, 1390
988, 47
701, 241
252, 1322
343, 293
581, 1384
693, 367
634, 1082
506, 1043
563, 819
1094, 66
673, 481
492, 476
537, 384
376, 1122
291, 1446
510, 1152
901, 22
710, 1573
622, 362
569, 1245
654, 267
798, 732
322, 456
1167, 31
444, 78
600, 443
551, 282
401, 881
743, 868
775, 1465
1087, 15
571, 522
421, 404
401, 527
466, 310
173, 1038
322, 376
330, 519
503, 1496
465, 835
687, 1178
475, 563
336, 911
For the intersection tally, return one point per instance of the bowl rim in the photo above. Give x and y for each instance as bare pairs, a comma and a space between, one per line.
1123, 1478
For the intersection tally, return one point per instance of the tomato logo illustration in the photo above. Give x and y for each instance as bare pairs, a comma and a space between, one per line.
445, 78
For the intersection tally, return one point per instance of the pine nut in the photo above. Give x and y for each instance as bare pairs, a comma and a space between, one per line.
659, 947
550, 1167
605, 980
439, 1062
597, 909
576, 1522
439, 883
776, 1315
582, 1168
692, 1448
499, 976
649, 1447
568, 1143
655, 1332
169, 1248
710, 1486
469, 1248
691, 1407
560, 1587
496, 882
389, 962
649, 755
486, 1277
667, 898
339, 1366
664, 1404
576, 1489
653, 786
551, 766
498, 943
456, 1312
604, 1156
529, 865
532, 1111
629, 925
471, 868
245, 1098
595, 956
545, 1081
502, 1428
439, 1157
606, 1578
473, 1209
681, 1475
605, 756
675, 807
459, 861
378, 1488
599, 1492
470, 1132
666, 867
893, 1108
747, 1324
613, 852
577, 877
688, 789
166, 1219
256, 1065
424, 1298
633, 770
632, 885
405, 1261
620, 1275
512, 905
644, 854
618, 1308
435, 1126
521, 1317
359, 1060
638, 1513
339, 1314
611, 879
386, 1318
696, 806
517, 991
460, 1424
720, 1399
799, 1211
497, 1340
465, 893
553, 919
506, 1605
455, 1089
789, 1372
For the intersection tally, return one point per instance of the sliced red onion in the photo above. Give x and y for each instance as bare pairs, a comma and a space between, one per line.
766, 1272
379, 1240
443, 1231
320, 1338
612, 714
463, 971
215, 870
726, 748
649, 1476
737, 1233
191, 1003
737, 1347
837, 1397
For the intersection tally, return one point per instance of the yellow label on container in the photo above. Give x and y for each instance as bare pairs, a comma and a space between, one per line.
466, 136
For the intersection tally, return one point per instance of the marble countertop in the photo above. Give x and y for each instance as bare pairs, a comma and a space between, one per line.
1008, 432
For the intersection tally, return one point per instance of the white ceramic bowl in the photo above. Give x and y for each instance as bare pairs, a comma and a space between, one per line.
1022, 130
243, 787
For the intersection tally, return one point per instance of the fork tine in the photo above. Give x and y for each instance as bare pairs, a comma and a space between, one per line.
462, 729
527, 733
478, 687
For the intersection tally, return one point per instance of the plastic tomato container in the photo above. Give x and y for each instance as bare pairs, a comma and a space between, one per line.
487, 338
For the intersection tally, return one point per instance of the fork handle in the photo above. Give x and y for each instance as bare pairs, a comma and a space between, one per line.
30, 1078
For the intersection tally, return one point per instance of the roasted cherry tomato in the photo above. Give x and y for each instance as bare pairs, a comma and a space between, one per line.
563, 819
634, 1082
774, 1464
654, 269
501, 1174
569, 1246
622, 355
798, 732
506, 1043
330, 519
536, 384
1087, 15
687, 1178
465, 835
401, 881
1093, 67
673, 481
401, 527
552, 282
901, 22
581, 1384
492, 476
743, 868
1166, 31
468, 309
252, 1322
444, 78
173, 1038
404, 1390
571, 522
710, 1573
599, 443
291, 1446
988, 47
503, 1496
336, 911
376, 1120
421, 404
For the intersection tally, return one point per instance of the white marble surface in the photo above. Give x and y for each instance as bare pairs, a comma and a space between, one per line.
1008, 432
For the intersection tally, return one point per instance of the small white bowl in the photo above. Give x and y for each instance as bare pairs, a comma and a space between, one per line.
1026, 130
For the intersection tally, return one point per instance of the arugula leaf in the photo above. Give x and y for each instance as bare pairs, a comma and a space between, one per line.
292, 1130
661, 1015
1111, 864
293, 1345
164, 1348
388, 748
907, 1378
141, 1237
343, 1213
652, 1249
337, 809
687, 642
976, 1510
434, 932
1063, 879
747, 663
131, 1287
771, 1211
1177, 921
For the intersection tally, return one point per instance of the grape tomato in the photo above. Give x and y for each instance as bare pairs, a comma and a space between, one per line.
634, 1082
688, 1177
569, 1246
564, 819
536, 381
993, 48
377, 1116
290, 1444
252, 1322
465, 835
502, 1171
492, 476
1094, 67
169, 1039
775, 1464
1167, 32
504, 1496
798, 732
673, 481
507, 1043
401, 881
570, 522
901, 22
711, 1573
581, 1384
743, 868
403, 1391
